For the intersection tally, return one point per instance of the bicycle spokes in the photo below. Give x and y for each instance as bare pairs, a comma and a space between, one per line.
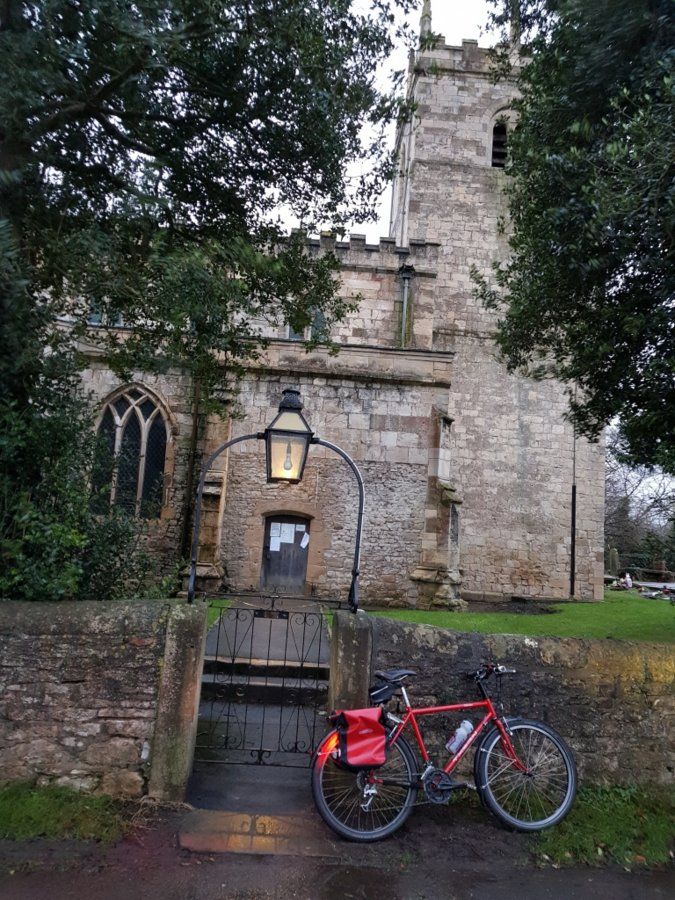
365, 802
533, 786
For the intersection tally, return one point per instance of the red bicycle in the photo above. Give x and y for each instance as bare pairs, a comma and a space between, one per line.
523, 770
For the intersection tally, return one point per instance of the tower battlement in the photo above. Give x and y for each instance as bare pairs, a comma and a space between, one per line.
468, 57
386, 253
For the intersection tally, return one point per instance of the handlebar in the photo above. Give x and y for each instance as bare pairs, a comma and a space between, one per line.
489, 668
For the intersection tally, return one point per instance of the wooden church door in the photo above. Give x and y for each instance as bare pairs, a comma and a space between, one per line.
284, 564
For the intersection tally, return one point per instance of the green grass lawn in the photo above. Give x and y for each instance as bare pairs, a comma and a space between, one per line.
27, 812
631, 826
624, 615
214, 610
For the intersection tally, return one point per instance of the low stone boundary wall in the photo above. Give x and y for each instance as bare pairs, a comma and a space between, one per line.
100, 697
613, 701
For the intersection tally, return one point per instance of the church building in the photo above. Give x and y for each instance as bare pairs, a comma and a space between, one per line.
476, 487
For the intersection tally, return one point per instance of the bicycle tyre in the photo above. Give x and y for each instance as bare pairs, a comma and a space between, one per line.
527, 801
337, 792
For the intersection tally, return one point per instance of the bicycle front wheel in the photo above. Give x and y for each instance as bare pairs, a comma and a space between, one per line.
364, 805
536, 797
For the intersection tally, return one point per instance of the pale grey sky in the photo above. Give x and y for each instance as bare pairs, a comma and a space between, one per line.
457, 19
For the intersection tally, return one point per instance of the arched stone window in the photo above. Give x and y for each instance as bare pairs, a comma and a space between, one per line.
499, 142
134, 434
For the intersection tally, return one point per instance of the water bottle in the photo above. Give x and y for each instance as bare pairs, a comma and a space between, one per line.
459, 737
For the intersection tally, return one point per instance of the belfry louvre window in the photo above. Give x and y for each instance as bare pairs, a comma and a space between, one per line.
130, 469
499, 138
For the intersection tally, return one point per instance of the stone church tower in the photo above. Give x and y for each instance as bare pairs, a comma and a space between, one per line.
469, 471
511, 458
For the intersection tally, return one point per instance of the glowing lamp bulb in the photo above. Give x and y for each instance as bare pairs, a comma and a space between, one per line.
288, 462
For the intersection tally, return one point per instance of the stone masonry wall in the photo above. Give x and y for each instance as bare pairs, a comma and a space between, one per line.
387, 428
80, 688
509, 450
511, 459
370, 274
612, 701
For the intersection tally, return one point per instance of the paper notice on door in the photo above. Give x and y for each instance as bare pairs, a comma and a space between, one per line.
287, 535
300, 528
275, 529
304, 541
275, 544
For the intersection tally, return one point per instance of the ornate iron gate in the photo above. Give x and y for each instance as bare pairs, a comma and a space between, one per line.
265, 681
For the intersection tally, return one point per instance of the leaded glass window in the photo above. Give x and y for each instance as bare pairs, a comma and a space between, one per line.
133, 436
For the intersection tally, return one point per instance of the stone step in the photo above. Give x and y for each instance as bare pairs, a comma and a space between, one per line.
281, 668
263, 690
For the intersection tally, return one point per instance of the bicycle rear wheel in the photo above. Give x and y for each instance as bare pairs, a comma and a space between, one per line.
365, 805
533, 799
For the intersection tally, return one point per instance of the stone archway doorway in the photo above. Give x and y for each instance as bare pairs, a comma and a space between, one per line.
285, 554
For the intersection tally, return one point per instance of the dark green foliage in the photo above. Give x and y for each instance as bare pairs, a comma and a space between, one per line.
146, 150
151, 147
660, 547
28, 812
587, 294
52, 545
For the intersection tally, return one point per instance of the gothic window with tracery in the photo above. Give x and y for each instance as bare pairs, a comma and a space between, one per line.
133, 435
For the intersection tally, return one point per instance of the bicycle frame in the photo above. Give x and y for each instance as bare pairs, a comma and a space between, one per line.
490, 716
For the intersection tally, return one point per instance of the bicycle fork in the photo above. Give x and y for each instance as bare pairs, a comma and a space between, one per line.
507, 743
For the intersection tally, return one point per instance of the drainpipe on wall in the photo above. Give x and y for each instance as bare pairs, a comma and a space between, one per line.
406, 273
573, 517
186, 531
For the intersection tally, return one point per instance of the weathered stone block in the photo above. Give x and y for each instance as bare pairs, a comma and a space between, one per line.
115, 751
122, 783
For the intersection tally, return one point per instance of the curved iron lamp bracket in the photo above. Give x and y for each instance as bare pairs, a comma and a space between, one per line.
353, 597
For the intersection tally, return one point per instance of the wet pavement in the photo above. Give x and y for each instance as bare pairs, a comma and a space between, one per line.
257, 810
442, 853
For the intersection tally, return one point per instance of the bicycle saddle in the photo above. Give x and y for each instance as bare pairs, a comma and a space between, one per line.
394, 676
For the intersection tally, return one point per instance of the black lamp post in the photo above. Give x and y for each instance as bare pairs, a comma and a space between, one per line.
287, 441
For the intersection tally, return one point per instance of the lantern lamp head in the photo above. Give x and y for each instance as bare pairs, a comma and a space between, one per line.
287, 440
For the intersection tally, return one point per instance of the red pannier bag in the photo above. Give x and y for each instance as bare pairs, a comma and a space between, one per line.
362, 738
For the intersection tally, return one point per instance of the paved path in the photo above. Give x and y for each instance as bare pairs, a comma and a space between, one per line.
454, 852
417, 866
